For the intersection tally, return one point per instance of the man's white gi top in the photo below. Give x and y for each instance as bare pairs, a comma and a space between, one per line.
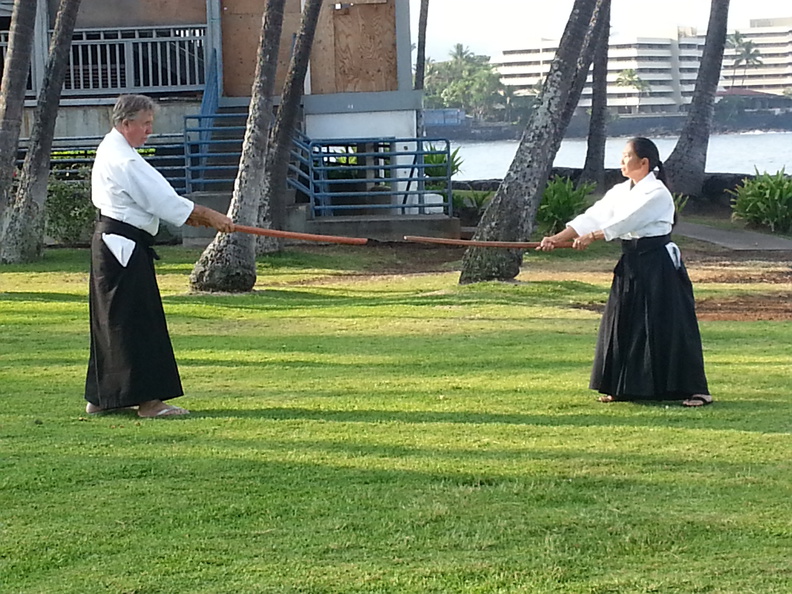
645, 210
126, 188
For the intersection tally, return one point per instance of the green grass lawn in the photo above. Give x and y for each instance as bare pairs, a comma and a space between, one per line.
355, 431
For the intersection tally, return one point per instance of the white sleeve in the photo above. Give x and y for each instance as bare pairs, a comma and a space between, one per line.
152, 192
640, 212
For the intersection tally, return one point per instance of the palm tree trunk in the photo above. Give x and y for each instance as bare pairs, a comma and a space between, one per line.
685, 167
594, 166
229, 261
12, 92
22, 235
272, 210
511, 214
420, 64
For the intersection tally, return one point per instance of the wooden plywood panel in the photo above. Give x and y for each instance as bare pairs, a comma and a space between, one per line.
135, 13
323, 53
241, 29
365, 47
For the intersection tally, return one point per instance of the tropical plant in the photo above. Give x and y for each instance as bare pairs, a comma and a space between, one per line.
70, 214
764, 201
562, 201
465, 81
630, 78
437, 165
746, 55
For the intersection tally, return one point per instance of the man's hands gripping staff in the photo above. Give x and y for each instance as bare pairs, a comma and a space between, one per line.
203, 216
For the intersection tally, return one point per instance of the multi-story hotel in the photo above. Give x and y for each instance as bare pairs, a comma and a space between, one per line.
772, 39
663, 70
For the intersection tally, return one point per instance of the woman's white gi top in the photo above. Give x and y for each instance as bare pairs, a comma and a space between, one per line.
126, 188
645, 210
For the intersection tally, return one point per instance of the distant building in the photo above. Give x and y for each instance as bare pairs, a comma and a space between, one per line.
666, 71
666, 68
773, 40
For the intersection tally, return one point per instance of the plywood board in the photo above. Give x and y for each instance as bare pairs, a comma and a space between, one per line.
365, 48
323, 53
241, 30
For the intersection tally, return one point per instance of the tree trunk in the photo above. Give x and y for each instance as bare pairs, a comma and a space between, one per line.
511, 214
22, 233
12, 92
594, 166
685, 167
420, 63
273, 201
229, 262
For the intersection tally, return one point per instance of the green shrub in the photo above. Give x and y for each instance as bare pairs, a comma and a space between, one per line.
561, 202
764, 201
70, 214
436, 165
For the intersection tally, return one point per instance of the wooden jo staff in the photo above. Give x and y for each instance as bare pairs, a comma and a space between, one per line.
302, 236
515, 245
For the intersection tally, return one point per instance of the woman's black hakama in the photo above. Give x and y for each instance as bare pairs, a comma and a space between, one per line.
649, 346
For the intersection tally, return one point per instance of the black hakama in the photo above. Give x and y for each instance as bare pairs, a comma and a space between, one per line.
649, 346
131, 358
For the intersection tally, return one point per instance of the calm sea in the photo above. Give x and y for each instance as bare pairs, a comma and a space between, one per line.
728, 153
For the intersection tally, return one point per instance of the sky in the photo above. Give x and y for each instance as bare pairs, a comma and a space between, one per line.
491, 26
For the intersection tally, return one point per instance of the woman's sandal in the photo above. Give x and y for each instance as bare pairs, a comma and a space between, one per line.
697, 400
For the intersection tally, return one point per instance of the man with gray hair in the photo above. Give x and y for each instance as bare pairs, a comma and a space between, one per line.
131, 362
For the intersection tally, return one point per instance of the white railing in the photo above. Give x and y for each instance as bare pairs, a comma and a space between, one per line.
128, 60
107, 62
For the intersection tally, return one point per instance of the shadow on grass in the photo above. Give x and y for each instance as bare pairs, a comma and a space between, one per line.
605, 418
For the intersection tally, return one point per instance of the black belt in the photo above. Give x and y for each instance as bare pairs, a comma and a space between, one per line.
644, 244
115, 227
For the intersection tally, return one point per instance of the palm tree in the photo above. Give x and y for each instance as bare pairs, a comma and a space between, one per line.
22, 234
685, 166
12, 92
420, 59
277, 168
511, 213
420, 62
630, 78
229, 261
594, 165
748, 55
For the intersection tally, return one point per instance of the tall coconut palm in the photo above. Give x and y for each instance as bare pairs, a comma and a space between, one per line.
685, 166
273, 202
12, 92
748, 56
22, 233
594, 165
511, 213
420, 63
229, 261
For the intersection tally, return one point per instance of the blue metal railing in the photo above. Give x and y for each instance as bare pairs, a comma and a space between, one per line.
338, 177
163, 151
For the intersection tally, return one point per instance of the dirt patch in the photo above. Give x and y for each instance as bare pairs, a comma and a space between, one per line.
748, 308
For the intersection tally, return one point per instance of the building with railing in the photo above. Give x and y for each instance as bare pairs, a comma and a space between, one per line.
663, 72
198, 59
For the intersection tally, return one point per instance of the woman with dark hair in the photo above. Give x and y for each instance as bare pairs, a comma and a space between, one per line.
649, 346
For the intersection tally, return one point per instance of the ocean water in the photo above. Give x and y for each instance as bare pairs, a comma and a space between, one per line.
728, 153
